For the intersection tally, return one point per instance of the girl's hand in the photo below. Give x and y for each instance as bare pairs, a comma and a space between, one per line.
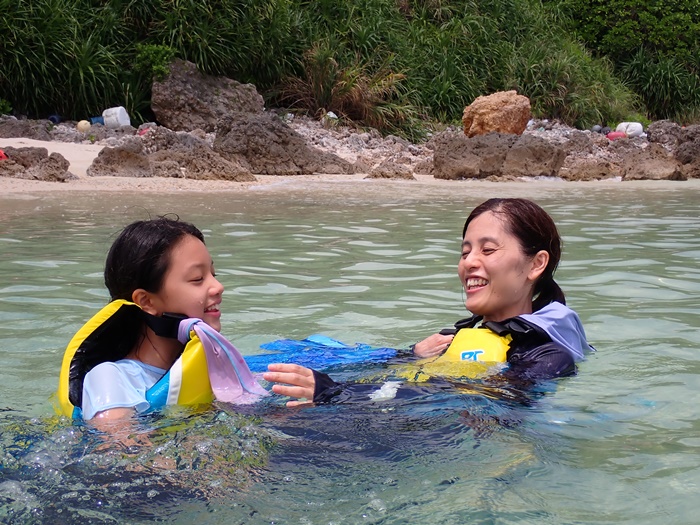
434, 345
296, 381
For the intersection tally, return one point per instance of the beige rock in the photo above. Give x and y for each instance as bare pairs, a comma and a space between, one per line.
503, 112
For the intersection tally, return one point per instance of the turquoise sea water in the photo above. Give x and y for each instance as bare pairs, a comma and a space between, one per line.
374, 264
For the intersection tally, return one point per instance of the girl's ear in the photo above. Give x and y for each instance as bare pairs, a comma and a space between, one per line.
144, 300
539, 263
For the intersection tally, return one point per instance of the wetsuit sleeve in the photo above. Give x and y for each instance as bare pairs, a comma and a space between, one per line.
325, 388
545, 361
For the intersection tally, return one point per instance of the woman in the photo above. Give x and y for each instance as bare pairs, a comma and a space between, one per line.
510, 251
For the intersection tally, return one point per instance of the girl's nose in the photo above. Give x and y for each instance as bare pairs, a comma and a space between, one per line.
217, 287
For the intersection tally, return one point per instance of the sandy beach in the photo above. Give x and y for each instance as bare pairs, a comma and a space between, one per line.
81, 156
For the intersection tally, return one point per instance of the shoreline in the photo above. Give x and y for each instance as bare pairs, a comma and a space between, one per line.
80, 156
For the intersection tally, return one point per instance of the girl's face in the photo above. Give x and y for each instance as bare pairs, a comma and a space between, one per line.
190, 286
497, 276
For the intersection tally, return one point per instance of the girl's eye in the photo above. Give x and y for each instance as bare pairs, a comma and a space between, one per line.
197, 279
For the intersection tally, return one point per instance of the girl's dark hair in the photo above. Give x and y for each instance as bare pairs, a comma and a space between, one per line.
535, 230
140, 256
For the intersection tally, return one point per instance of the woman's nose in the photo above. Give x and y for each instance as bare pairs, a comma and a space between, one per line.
470, 260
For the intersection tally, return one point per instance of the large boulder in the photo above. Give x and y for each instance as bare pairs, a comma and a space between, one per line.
266, 145
35, 164
651, 163
188, 99
502, 112
161, 152
10, 127
128, 160
532, 156
688, 151
390, 169
496, 156
200, 162
664, 132
588, 168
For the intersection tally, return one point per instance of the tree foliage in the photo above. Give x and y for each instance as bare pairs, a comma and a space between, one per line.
654, 45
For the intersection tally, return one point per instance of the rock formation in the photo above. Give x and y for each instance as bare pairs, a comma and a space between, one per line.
34, 164
188, 99
502, 112
270, 147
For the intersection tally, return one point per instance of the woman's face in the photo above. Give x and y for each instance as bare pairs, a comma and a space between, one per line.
190, 286
497, 276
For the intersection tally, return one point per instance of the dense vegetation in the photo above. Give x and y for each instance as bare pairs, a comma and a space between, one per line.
385, 63
653, 44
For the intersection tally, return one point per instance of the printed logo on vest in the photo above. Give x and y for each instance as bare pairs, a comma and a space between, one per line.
471, 355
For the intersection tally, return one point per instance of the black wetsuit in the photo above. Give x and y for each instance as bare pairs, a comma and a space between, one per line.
532, 356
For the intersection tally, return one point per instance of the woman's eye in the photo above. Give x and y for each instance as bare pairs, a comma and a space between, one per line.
488, 251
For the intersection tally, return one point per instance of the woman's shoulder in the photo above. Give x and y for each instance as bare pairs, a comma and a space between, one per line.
563, 326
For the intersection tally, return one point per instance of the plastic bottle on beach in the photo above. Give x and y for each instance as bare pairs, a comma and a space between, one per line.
116, 117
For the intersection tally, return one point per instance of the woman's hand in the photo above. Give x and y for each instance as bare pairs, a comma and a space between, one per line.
300, 380
434, 345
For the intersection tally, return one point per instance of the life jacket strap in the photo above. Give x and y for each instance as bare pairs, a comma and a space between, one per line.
166, 325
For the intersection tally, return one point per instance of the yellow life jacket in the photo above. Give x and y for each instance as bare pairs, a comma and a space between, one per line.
186, 383
473, 353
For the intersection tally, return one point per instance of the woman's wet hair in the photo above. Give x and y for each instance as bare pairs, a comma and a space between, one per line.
535, 230
140, 256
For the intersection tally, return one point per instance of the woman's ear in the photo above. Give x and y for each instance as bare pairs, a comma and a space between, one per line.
144, 300
539, 263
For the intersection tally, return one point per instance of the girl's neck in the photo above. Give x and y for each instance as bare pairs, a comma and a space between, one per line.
153, 350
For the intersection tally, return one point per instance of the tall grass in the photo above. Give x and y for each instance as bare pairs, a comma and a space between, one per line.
374, 61
376, 99
669, 88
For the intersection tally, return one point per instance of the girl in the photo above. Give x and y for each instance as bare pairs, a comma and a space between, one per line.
157, 342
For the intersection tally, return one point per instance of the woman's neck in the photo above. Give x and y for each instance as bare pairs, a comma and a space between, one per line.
153, 350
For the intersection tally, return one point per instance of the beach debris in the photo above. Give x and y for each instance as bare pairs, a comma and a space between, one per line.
631, 129
616, 135
55, 119
116, 117
83, 126
2, 155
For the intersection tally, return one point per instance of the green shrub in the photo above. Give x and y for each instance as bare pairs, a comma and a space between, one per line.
5, 107
153, 60
374, 99
669, 88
